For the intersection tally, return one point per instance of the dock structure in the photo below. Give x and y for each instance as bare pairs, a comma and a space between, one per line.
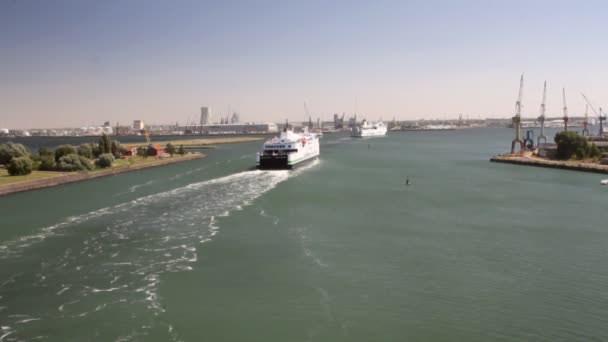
553, 164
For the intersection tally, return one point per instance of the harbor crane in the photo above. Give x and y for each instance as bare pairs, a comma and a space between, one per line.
585, 131
541, 118
601, 117
517, 119
565, 111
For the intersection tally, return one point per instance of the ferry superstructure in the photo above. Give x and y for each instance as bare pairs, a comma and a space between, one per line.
367, 129
288, 150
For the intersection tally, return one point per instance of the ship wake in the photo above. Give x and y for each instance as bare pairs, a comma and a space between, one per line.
116, 255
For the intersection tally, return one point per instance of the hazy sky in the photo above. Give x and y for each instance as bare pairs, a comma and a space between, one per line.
74, 63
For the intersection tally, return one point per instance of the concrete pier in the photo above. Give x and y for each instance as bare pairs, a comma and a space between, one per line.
554, 164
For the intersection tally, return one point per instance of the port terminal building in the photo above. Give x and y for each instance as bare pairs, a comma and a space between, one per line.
240, 128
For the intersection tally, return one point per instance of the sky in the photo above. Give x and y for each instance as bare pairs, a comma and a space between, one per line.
71, 63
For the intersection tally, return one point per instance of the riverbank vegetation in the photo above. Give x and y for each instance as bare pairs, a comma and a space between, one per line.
571, 145
18, 161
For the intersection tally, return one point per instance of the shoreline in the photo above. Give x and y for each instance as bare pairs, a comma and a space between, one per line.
553, 164
72, 177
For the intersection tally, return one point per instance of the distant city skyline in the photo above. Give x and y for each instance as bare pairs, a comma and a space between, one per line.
78, 63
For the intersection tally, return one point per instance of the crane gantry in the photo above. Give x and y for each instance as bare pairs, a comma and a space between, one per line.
601, 117
517, 118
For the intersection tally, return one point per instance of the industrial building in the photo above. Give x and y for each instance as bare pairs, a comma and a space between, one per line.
205, 117
138, 125
241, 128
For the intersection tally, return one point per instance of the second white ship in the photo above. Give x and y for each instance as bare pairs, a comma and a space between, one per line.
367, 129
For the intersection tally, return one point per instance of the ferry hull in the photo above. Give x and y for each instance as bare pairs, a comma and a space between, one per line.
280, 163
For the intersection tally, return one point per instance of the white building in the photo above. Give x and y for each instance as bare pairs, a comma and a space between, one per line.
138, 125
205, 117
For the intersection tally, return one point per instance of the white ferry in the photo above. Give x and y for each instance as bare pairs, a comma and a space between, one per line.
288, 150
367, 129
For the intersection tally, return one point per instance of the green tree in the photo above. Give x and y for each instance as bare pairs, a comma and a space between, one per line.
106, 144
116, 149
20, 166
105, 160
170, 149
181, 150
570, 144
85, 150
64, 150
47, 163
96, 150
594, 152
43, 151
12, 150
73, 162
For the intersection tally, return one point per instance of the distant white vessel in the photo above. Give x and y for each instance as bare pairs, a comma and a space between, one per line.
604, 182
288, 150
367, 129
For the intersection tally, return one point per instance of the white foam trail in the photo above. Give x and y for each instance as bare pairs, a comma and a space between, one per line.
27, 320
128, 246
304, 240
63, 290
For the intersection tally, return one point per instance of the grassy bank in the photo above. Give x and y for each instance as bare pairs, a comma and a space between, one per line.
40, 179
5, 178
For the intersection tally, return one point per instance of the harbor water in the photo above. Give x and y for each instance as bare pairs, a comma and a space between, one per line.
338, 250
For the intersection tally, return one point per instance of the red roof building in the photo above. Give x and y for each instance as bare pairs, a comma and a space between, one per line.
156, 151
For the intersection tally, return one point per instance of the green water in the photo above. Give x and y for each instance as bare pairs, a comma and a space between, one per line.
340, 250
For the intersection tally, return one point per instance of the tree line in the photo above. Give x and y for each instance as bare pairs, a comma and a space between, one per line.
67, 158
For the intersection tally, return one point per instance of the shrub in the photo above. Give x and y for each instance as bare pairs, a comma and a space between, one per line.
170, 149
85, 150
181, 150
11, 150
20, 166
47, 163
43, 151
64, 150
73, 162
105, 160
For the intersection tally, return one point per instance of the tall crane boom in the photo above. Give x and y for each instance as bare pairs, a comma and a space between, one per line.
565, 110
590, 105
541, 118
599, 115
517, 119
518, 104
543, 104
